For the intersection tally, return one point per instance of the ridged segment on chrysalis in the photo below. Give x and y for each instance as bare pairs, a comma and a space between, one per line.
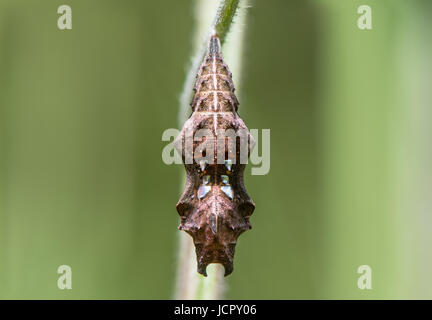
215, 207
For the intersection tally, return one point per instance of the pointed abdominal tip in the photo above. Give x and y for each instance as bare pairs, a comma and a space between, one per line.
214, 46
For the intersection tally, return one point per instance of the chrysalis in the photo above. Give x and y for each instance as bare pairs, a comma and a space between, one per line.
215, 207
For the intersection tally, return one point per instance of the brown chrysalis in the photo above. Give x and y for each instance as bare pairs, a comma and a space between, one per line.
215, 207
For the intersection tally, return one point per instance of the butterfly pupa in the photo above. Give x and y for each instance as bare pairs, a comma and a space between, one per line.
215, 207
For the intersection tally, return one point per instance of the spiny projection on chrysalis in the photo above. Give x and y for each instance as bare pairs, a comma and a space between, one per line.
215, 207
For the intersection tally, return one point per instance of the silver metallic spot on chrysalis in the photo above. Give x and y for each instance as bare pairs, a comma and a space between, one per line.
228, 164
204, 188
203, 164
228, 191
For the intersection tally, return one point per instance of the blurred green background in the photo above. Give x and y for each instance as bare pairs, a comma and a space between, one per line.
82, 181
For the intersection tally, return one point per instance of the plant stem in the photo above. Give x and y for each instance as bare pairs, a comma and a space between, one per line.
191, 285
225, 17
